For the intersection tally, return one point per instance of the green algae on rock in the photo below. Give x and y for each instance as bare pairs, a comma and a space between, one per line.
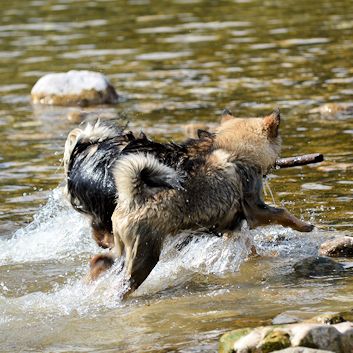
265, 339
227, 340
275, 340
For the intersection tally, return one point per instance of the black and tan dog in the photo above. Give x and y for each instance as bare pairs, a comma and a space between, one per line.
90, 157
213, 182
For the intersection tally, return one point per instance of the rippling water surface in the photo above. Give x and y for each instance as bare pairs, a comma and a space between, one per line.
173, 62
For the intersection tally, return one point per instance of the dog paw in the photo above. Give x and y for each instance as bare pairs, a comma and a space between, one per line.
306, 227
99, 264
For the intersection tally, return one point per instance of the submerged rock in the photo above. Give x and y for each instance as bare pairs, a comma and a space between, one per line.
286, 318
300, 337
317, 266
338, 247
81, 88
334, 110
330, 166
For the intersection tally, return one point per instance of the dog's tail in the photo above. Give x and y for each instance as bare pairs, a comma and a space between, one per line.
140, 176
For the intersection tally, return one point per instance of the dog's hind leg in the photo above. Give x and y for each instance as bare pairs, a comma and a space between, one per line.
257, 213
144, 257
260, 214
139, 245
141, 259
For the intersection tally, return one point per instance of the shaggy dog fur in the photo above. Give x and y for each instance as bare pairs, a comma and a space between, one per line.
89, 160
142, 191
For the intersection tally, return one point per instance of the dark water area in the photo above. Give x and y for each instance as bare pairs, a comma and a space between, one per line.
172, 62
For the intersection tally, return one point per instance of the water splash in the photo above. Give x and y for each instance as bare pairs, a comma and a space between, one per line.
57, 231
204, 254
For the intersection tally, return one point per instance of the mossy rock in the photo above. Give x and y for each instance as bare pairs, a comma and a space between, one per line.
226, 342
274, 341
334, 318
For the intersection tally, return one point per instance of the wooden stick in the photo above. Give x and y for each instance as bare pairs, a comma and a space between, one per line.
299, 160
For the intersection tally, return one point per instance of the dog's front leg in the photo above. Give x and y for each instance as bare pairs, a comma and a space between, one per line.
102, 262
99, 264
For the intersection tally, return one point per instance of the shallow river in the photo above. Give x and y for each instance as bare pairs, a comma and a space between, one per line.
173, 62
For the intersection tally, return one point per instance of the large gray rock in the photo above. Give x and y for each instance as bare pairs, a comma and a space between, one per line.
338, 247
318, 266
318, 336
74, 88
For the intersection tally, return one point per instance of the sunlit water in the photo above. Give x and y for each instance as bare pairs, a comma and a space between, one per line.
173, 62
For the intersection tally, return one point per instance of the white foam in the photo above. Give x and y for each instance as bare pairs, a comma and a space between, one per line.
205, 254
71, 82
57, 231
75, 296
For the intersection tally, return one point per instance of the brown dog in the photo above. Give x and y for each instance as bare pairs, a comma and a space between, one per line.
219, 192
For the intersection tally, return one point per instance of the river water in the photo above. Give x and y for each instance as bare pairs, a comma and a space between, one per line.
173, 62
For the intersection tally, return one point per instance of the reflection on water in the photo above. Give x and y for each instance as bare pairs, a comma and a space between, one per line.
172, 62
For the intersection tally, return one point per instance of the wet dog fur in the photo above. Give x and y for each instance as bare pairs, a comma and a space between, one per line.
90, 156
219, 189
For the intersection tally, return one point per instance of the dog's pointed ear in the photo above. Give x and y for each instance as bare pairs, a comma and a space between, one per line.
130, 136
143, 136
226, 115
69, 146
204, 134
72, 137
271, 123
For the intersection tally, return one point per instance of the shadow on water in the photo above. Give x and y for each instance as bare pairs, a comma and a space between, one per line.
173, 62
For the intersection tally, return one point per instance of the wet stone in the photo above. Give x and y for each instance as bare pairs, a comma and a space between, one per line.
329, 166
285, 318
275, 340
317, 266
316, 336
333, 110
322, 333
333, 318
338, 247
303, 350
76, 116
80, 88
226, 342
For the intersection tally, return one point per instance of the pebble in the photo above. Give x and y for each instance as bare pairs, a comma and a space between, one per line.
338, 247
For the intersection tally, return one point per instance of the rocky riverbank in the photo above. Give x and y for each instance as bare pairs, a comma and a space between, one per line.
323, 333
